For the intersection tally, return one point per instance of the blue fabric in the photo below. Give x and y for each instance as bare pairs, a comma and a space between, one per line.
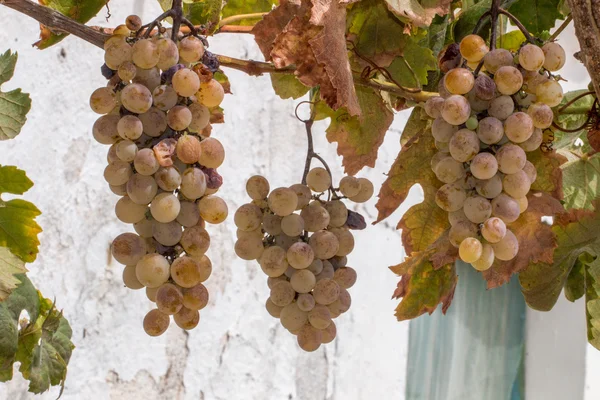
475, 351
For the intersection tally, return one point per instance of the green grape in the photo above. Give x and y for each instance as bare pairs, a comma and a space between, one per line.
505, 208
117, 173
145, 162
507, 248
168, 234
168, 54
437, 157
449, 170
306, 302
531, 171
117, 51
523, 204
318, 179
549, 93
248, 217
193, 183
345, 277
511, 158
450, 197
103, 100
211, 93
128, 249
167, 178
293, 318
292, 225
304, 194
501, 107
200, 117
457, 216
472, 123
497, 58
195, 241
460, 231
272, 309
442, 131
141, 189
541, 115
328, 334
165, 207
303, 281
345, 241
338, 213
516, 185
324, 244
273, 261
326, 291
154, 122
187, 319
366, 191
129, 278
191, 49
282, 294
249, 247
258, 187
145, 54
126, 150
185, 272
283, 201
129, 212
150, 78
470, 250
486, 260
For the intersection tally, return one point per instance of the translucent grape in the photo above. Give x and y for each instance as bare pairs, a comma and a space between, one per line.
493, 230
211, 93
549, 93
191, 49
486, 260
152, 270
156, 323
477, 209
186, 82
507, 248
282, 201
555, 56
505, 208
464, 145
497, 58
484, 166
508, 80
442, 131
460, 231
459, 81
450, 197
318, 179
129, 212
449, 170
518, 127
501, 107
324, 244
212, 154
165, 207
456, 110
136, 98
511, 158
126, 150
516, 185
213, 209
473, 48
470, 250
433, 106
531, 57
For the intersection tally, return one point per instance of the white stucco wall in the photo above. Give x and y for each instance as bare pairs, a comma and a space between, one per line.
238, 351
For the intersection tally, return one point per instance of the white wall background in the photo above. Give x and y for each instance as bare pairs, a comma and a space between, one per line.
238, 351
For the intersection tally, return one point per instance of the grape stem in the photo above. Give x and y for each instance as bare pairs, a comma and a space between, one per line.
310, 153
493, 14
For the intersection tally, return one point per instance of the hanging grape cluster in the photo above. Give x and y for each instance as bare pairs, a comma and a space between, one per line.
301, 243
491, 112
162, 161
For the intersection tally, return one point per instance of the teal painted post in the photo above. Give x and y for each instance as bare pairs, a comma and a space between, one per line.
475, 351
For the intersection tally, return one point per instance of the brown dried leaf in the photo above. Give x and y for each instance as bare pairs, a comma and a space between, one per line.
311, 34
419, 13
537, 241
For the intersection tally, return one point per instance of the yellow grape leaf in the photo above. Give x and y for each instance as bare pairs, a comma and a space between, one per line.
18, 229
14, 105
10, 265
536, 239
592, 300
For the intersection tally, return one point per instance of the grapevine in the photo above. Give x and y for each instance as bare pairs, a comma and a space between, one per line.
156, 113
301, 242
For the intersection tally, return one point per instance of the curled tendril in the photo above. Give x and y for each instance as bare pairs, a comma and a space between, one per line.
592, 115
305, 121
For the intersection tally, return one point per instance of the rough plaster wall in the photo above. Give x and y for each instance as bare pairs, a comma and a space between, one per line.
238, 351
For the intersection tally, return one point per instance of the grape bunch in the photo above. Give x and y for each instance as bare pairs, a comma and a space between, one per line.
491, 112
163, 163
301, 243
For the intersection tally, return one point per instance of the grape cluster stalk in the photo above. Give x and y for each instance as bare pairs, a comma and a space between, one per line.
491, 112
301, 243
162, 161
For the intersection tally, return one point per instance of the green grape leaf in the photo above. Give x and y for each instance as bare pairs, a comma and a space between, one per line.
469, 16
422, 288
199, 12
410, 168
511, 41
359, 138
314, 40
410, 69
240, 7
18, 229
592, 302
419, 12
436, 34
375, 33
14, 105
223, 79
581, 182
42, 344
13, 180
536, 15
537, 240
287, 86
575, 284
10, 265
80, 11
576, 233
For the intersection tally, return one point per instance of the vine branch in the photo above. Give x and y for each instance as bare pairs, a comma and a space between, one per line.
57, 22
586, 18
241, 17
